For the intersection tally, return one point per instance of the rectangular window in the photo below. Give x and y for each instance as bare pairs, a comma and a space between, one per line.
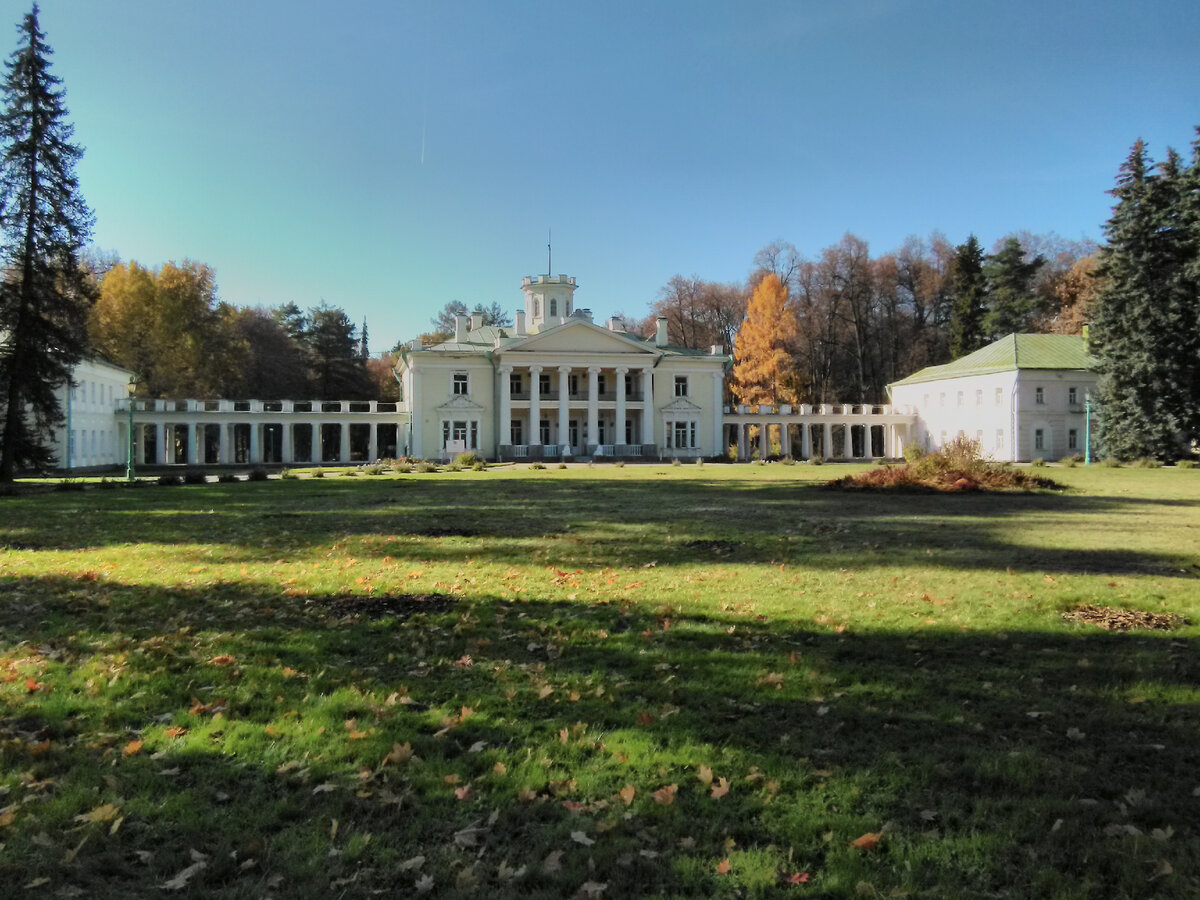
1073, 396
681, 434
681, 386
600, 384
516, 432
1039, 396
1072, 439
999, 396
514, 384
474, 442
629, 431
460, 384
544, 429
1039, 439
574, 385
999, 439
460, 433
979, 397
544, 385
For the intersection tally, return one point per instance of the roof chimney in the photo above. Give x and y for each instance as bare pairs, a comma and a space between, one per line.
476, 322
660, 335
460, 329
520, 323
616, 323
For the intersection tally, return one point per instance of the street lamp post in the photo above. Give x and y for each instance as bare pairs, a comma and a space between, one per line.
129, 467
1087, 432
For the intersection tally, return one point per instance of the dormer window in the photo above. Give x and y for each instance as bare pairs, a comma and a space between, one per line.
461, 384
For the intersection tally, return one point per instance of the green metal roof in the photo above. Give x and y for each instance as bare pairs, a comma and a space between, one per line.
1016, 351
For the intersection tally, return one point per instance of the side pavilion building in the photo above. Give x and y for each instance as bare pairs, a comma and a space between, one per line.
557, 386
1022, 397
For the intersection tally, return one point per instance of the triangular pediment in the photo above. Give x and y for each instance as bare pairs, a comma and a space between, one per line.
681, 404
580, 336
460, 404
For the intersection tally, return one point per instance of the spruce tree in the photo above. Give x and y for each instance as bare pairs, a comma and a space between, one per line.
44, 224
969, 290
1011, 301
1146, 331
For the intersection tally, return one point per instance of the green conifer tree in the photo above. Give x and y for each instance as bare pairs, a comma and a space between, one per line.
44, 224
968, 287
1012, 304
1146, 330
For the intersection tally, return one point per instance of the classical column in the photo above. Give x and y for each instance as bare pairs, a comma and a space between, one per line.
372, 442
785, 438
504, 438
223, 443
827, 441
648, 405
593, 407
564, 425
255, 445
160, 443
718, 411
622, 374
764, 445
314, 449
344, 447
287, 454
741, 440
535, 405
415, 404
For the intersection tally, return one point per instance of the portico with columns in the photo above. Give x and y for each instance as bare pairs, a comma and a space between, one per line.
559, 386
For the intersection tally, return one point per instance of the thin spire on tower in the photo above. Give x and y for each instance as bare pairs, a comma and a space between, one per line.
549, 256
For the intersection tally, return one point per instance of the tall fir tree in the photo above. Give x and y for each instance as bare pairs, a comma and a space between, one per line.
44, 224
968, 287
1012, 304
1146, 330
764, 369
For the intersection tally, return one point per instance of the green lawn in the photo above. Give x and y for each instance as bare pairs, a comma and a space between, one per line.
599, 682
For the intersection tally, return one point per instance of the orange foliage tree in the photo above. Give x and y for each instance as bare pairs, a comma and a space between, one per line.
764, 369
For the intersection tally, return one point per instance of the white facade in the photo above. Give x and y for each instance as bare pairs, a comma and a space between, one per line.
94, 435
558, 386
1022, 398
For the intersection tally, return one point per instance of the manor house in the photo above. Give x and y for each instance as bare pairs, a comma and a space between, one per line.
559, 386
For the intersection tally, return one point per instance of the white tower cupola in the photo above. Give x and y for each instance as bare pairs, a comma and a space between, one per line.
549, 299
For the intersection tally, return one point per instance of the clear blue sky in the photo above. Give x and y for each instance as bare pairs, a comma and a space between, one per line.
388, 157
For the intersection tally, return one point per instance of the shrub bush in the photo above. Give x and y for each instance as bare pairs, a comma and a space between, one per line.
1068, 462
227, 478
536, 465
699, 461
468, 459
195, 476
620, 464
318, 472
562, 465
1037, 462
816, 460
912, 452
258, 475
424, 467
373, 469
788, 461
1110, 462
1145, 462
675, 461
69, 484
169, 480
287, 475
1185, 464
403, 467
479, 466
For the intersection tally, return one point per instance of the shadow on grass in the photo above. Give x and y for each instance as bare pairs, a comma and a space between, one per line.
596, 523
1026, 764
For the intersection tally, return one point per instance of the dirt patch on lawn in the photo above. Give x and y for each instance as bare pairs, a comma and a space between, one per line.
1114, 619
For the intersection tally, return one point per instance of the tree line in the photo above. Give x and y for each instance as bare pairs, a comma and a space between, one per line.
843, 325
169, 326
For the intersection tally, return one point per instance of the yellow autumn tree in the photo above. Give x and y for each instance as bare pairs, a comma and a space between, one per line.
764, 370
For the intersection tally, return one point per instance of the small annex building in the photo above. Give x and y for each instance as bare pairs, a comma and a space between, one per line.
559, 386
1022, 397
94, 434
